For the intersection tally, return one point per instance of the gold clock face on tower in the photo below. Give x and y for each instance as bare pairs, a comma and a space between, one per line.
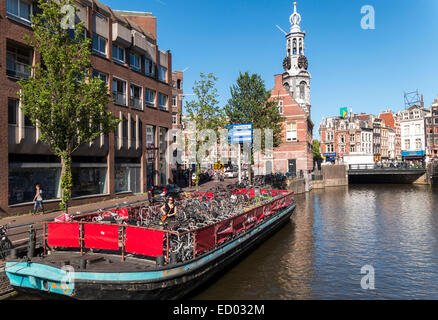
287, 63
302, 62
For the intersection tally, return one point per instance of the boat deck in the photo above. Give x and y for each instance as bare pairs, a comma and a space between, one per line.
96, 262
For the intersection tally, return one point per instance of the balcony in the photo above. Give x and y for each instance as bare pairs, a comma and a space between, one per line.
119, 98
17, 69
121, 34
136, 103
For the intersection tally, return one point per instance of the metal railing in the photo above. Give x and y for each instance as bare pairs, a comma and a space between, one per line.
119, 98
392, 166
136, 103
17, 69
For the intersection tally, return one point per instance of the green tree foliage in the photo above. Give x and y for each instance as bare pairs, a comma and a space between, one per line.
204, 111
249, 103
316, 152
61, 98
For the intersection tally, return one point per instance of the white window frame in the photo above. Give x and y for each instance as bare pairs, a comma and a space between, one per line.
98, 44
117, 58
154, 94
18, 16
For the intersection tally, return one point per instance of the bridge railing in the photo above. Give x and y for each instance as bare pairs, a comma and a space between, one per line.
397, 167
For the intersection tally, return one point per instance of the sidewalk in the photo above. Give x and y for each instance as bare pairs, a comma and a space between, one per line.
28, 218
23, 219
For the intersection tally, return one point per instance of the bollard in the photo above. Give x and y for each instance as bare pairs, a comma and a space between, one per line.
13, 253
31, 244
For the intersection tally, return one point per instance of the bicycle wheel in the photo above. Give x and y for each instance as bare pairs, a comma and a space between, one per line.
5, 248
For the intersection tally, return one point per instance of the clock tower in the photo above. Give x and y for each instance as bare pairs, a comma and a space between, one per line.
296, 78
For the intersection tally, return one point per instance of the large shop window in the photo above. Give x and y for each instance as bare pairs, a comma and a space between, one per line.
22, 183
122, 180
88, 181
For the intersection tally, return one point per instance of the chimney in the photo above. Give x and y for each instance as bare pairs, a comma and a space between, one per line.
422, 102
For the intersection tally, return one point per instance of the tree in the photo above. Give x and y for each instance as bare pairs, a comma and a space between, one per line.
61, 98
316, 152
250, 103
204, 112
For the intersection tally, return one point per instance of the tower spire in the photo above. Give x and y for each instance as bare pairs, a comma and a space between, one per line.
295, 20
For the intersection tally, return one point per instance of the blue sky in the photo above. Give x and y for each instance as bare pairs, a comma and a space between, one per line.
366, 70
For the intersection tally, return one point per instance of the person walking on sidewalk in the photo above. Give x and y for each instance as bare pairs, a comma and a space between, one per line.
38, 199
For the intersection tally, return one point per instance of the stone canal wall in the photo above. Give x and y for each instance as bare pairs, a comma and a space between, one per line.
332, 176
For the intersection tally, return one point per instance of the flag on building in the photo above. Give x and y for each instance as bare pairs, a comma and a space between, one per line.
344, 112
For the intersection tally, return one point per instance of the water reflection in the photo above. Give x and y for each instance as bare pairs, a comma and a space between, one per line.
335, 232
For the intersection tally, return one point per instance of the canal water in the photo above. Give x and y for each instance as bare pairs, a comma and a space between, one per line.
333, 234
392, 230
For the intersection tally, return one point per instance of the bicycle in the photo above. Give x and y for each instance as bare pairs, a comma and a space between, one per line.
5, 243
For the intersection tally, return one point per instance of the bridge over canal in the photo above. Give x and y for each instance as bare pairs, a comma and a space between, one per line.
369, 173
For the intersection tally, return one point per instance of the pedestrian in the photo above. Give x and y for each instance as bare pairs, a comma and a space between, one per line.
38, 199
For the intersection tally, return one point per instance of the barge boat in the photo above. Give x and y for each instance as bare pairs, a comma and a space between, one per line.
96, 260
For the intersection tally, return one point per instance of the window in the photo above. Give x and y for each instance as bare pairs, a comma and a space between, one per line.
291, 131
22, 180
352, 148
149, 97
134, 62
329, 136
125, 128
135, 101
330, 148
352, 137
150, 136
342, 139
122, 179
133, 130
19, 9
174, 118
280, 106
178, 84
418, 144
302, 90
18, 61
406, 130
417, 129
118, 53
162, 101
149, 67
101, 76
88, 181
12, 111
407, 144
119, 91
99, 44
174, 101
162, 73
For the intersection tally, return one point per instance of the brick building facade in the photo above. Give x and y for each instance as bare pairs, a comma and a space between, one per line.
292, 93
139, 78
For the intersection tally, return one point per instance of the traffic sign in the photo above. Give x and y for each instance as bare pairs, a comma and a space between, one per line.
218, 166
239, 133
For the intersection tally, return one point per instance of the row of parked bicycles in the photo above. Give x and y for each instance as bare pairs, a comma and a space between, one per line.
269, 181
194, 211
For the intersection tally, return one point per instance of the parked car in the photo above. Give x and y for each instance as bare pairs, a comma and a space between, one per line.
203, 177
171, 189
159, 192
230, 173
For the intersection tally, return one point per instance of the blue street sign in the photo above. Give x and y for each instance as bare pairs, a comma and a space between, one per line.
239, 133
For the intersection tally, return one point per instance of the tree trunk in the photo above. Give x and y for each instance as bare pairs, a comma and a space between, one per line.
198, 166
66, 180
